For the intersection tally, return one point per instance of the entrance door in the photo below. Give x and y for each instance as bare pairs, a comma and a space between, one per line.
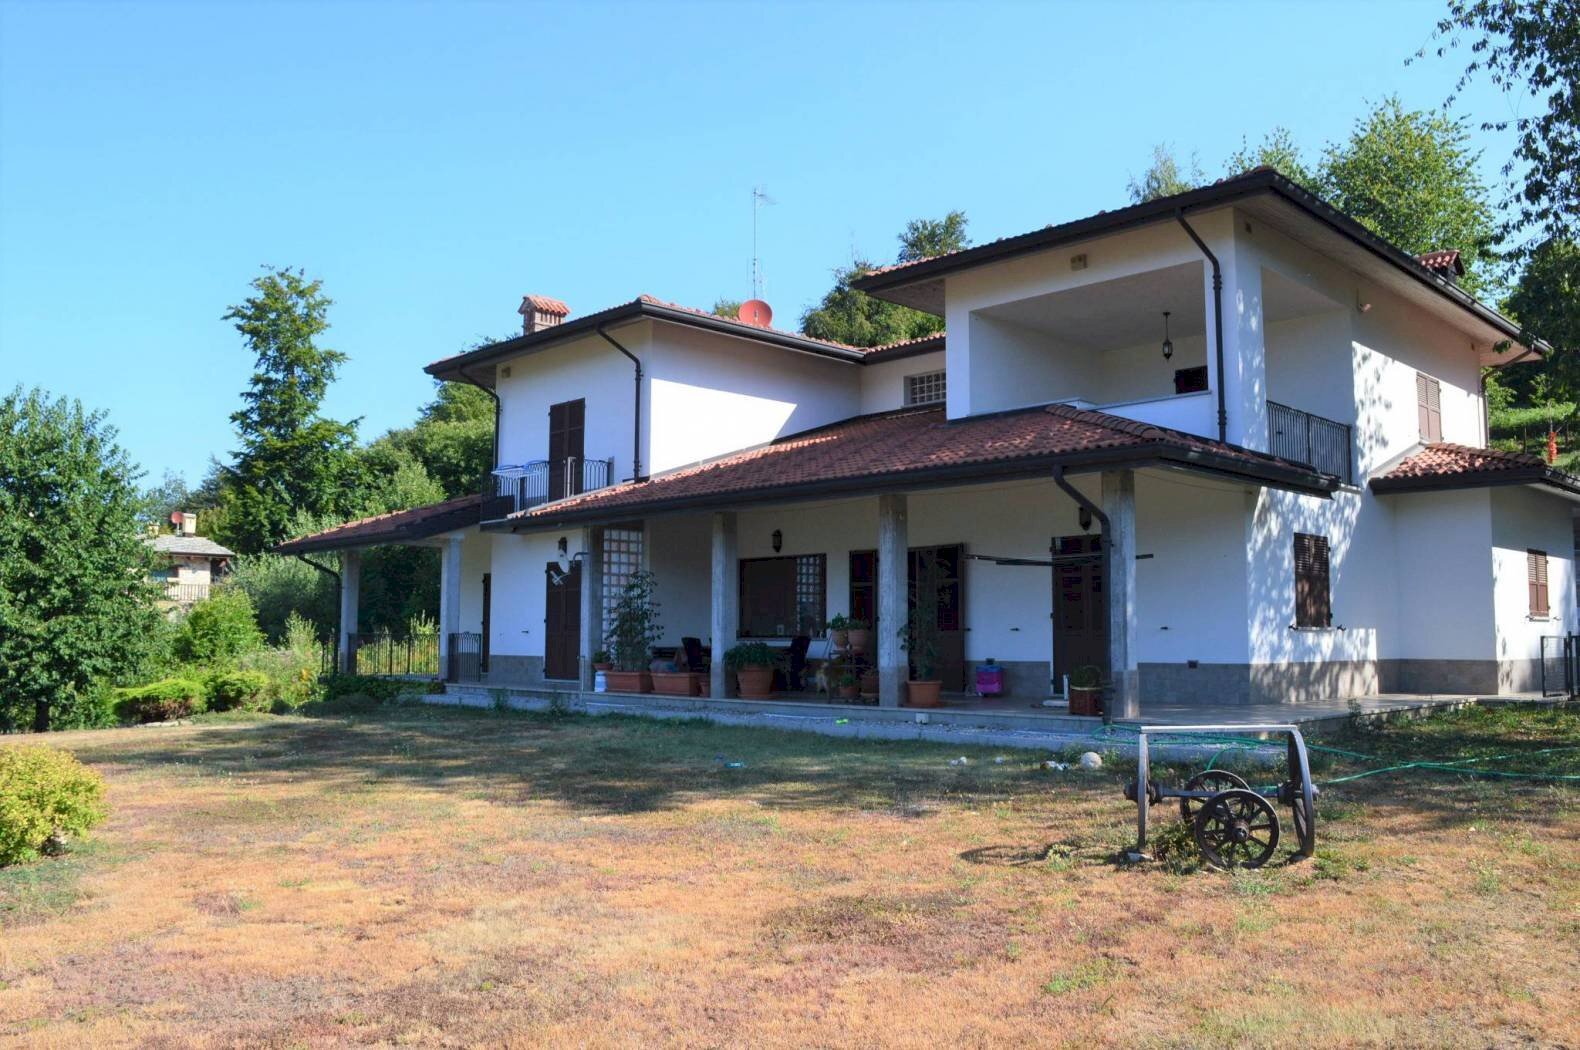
950, 561
567, 427
562, 623
1080, 606
488, 619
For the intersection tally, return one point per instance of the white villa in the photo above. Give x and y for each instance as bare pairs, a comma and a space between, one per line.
1291, 499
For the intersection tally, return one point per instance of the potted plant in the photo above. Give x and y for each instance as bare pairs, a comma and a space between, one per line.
632, 633
602, 661
1086, 691
920, 637
753, 664
839, 631
849, 686
859, 634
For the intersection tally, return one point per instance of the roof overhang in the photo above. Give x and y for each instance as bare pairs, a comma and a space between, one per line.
1263, 193
414, 527
1546, 479
1201, 462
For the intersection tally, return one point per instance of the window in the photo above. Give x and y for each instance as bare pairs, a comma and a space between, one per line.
925, 389
1190, 380
864, 586
622, 559
783, 597
1429, 408
1313, 601
1536, 581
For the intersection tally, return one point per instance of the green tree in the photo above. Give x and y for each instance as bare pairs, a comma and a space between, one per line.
453, 439
1164, 177
76, 608
855, 318
292, 458
730, 308
1530, 48
1546, 302
1410, 177
1277, 150
219, 629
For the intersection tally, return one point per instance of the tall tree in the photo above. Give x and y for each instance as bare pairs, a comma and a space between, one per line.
1278, 150
1546, 303
1410, 177
292, 459
855, 318
1165, 176
76, 608
1530, 48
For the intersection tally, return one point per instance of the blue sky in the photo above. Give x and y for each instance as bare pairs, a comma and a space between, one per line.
433, 162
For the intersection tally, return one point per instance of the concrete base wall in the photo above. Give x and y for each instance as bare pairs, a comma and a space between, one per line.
1522, 676
1440, 676
523, 672
1305, 682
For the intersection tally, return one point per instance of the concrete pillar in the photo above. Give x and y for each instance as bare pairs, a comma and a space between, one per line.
893, 598
726, 600
591, 542
449, 599
1119, 504
350, 591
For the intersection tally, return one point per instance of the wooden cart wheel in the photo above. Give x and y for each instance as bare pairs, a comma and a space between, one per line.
1207, 780
1237, 828
1305, 822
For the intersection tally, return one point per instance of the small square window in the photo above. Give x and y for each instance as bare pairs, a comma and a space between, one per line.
925, 389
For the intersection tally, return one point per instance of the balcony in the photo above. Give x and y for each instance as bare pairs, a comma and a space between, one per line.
1321, 444
186, 593
511, 489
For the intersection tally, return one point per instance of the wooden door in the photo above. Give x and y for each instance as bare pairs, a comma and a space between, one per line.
1080, 605
488, 619
562, 623
567, 445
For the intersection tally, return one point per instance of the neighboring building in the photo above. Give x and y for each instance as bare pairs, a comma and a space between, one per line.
1292, 482
192, 563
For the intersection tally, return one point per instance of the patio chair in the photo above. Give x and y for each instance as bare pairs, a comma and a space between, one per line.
695, 659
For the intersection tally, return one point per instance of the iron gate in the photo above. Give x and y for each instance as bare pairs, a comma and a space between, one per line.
466, 653
1559, 675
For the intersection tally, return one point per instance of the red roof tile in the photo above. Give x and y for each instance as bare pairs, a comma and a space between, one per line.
856, 454
1444, 465
543, 304
399, 526
1444, 259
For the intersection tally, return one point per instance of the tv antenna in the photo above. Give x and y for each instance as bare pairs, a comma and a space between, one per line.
759, 198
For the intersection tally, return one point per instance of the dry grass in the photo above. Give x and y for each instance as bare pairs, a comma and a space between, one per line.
434, 877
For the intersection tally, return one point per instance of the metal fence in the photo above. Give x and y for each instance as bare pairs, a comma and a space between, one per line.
1559, 676
385, 654
466, 657
1319, 443
511, 489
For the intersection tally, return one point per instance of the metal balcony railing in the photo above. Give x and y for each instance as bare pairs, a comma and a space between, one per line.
1321, 444
186, 592
517, 488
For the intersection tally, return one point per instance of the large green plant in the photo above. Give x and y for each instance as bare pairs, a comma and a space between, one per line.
220, 629
634, 629
921, 636
45, 795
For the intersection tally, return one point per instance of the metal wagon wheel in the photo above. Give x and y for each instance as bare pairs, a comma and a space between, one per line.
1237, 828
1207, 780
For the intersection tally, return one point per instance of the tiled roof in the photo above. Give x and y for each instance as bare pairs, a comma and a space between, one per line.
543, 304
922, 344
196, 546
1444, 465
399, 526
1444, 259
653, 300
920, 445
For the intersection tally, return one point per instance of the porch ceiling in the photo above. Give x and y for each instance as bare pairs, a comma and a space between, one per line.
1118, 313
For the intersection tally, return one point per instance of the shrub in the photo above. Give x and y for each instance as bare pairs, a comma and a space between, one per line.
45, 794
219, 629
160, 701
229, 690
381, 690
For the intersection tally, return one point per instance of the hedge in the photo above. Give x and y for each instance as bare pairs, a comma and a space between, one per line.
229, 690
160, 701
45, 795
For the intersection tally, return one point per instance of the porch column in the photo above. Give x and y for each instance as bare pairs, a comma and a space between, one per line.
726, 600
350, 590
449, 599
1119, 503
591, 541
893, 603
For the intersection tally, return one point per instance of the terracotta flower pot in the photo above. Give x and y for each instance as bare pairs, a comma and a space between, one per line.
677, 683
923, 694
755, 683
840, 639
860, 640
629, 681
1086, 700
849, 692
606, 666
869, 684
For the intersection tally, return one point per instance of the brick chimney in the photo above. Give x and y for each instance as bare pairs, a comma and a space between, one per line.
1446, 263
539, 312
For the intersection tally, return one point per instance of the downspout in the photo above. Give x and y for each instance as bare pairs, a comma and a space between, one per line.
1217, 310
493, 460
636, 440
304, 559
1108, 551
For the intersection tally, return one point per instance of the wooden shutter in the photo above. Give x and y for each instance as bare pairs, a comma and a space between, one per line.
1536, 579
1313, 602
1429, 408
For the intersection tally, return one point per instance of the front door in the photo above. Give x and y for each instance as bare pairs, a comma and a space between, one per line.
488, 618
567, 429
562, 623
1080, 607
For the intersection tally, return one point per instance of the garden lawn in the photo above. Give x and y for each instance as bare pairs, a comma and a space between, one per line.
432, 877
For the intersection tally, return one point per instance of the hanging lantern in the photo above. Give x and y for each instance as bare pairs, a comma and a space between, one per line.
1168, 344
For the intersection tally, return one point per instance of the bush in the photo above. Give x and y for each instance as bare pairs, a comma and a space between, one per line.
229, 690
45, 794
219, 629
160, 701
382, 690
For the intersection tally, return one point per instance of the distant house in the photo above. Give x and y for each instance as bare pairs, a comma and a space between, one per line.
190, 563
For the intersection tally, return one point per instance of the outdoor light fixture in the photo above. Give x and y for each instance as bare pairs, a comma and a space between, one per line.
779, 540
1168, 344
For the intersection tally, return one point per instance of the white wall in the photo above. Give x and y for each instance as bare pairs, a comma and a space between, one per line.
883, 384
476, 559
518, 564
1442, 575
679, 552
1525, 520
1191, 592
